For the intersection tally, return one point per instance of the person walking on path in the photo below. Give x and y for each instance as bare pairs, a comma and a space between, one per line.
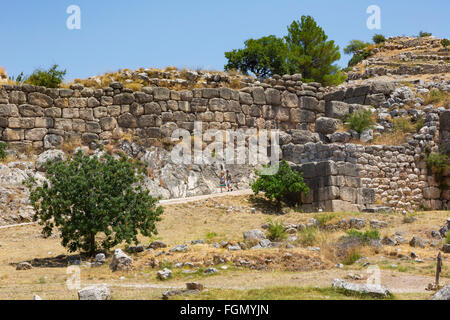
222, 182
229, 181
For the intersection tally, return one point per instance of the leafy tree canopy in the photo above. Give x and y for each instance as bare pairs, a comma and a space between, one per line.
96, 203
263, 57
286, 185
311, 53
354, 46
306, 50
50, 78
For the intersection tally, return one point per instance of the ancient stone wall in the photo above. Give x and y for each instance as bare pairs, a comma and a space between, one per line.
445, 148
334, 187
46, 118
307, 114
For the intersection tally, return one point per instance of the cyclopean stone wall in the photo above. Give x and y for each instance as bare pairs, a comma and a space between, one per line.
307, 114
445, 148
398, 174
46, 118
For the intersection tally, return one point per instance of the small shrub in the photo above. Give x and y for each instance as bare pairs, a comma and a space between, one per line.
403, 125
438, 162
445, 43
409, 218
50, 78
324, 218
423, 34
364, 237
276, 231
308, 236
447, 240
285, 185
360, 120
351, 257
379, 38
419, 124
3, 154
211, 235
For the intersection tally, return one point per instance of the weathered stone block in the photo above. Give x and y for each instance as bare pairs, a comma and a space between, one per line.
28, 110
259, 96
326, 125
126, 98
36, 134
336, 109
9, 110
21, 123
40, 99
273, 97
289, 100
13, 134
245, 98
127, 120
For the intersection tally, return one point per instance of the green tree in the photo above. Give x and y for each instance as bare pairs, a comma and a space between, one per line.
50, 78
286, 185
94, 202
423, 34
379, 38
359, 50
354, 46
311, 54
445, 43
263, 57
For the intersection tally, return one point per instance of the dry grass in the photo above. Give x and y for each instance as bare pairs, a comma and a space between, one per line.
209, 220
391, 139
437, 98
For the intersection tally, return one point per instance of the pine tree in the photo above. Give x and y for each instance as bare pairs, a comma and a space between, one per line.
311, 54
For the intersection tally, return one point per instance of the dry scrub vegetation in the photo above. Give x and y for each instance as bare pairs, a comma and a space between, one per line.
278, 273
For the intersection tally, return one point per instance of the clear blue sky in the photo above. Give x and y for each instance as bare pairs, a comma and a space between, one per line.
149, 33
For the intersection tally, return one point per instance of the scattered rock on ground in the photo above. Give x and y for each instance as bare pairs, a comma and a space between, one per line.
373, 290
24, 266
100, 292
121, 262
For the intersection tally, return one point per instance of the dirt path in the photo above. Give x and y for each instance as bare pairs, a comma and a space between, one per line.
204, 197
166, 203
397, 282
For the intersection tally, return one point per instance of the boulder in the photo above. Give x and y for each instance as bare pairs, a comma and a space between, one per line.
49, 155
357, 223
211, 271
24, 266
157, 245
366, 135
254, 235
164, 274
180, 248
416, 242
326, 125
446, 248
443, 294
120, 262
100, 292
372, 290
385, 87
100, 259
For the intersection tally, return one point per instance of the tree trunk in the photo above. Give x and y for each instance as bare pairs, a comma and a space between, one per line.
92, 244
